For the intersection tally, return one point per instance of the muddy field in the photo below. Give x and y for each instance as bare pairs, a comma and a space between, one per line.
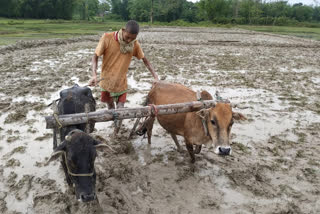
275, 164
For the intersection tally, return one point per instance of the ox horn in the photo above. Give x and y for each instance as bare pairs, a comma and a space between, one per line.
68, 138
103, 145
234, 105
54, 156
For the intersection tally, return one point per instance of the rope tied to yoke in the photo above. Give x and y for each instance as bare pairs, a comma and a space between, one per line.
56, 117
75, 174
56, 113
153, 110
115, 115
202, 114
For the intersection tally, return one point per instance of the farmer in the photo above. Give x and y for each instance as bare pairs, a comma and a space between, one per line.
117, 49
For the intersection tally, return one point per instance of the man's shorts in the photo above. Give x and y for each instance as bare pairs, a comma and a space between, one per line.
106, 97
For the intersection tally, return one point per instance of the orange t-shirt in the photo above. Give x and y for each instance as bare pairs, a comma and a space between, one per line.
115, 64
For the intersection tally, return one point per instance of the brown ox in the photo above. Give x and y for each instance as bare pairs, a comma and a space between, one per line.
218, 120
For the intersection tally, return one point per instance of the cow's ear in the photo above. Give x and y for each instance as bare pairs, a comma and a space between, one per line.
206, 95
101, 146
57, 152
238, 116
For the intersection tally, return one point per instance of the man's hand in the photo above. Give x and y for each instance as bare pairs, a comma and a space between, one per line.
150, 68
93, 81
156, 78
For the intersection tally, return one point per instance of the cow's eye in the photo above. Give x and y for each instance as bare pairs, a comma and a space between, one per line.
213, 122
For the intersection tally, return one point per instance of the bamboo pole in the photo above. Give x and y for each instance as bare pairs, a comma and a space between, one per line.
126, 113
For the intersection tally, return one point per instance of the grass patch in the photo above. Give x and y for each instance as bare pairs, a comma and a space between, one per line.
12, 30
304, 32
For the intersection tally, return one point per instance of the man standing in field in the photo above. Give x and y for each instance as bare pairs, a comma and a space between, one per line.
117, 49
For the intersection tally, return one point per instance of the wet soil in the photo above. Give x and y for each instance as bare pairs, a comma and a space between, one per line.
275, 164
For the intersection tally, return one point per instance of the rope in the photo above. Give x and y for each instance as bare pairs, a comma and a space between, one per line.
115, 115
154, 110
74, 174
204, 121
220, 99
55, 115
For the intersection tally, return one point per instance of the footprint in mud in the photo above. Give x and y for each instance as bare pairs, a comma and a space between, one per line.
3, 203
208, 202
58, 202
18, 115
19, 149
22, 188
12, 162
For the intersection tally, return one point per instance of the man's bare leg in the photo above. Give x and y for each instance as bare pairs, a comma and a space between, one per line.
118, 123
110, 105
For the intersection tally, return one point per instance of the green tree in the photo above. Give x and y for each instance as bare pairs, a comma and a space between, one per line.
103, 7
214, 9
168, 10
47, 9
86, 9
189, 12
316, 14
29, 9
140, 10
120, 7
302, 12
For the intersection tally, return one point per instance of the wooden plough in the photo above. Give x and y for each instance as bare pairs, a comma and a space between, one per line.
59, 121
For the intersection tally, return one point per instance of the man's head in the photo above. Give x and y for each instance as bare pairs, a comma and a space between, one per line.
131, 31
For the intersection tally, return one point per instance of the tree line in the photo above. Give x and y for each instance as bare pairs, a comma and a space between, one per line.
50, 9
217, 11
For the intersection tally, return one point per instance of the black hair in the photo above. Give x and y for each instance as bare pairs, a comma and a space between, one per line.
132, 27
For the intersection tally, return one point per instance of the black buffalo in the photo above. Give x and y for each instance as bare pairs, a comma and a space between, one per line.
77, 148
74, 100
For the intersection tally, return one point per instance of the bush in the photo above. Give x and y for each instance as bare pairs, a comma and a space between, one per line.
13, 22
222, 20
114, 17
262, 20
240, 21
205, 24
181, 23
282, 21
309, 24
55, 21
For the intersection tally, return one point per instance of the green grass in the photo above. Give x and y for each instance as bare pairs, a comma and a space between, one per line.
12, 30
304, 32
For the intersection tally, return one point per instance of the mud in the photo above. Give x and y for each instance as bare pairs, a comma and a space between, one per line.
274, 168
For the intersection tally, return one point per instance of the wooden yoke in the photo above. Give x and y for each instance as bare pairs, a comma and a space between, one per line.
126, 113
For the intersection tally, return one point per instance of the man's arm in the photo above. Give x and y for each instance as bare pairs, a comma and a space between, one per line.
150, 68
93, 81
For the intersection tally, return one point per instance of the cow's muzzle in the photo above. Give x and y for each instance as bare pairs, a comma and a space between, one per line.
223, 150
87, 197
